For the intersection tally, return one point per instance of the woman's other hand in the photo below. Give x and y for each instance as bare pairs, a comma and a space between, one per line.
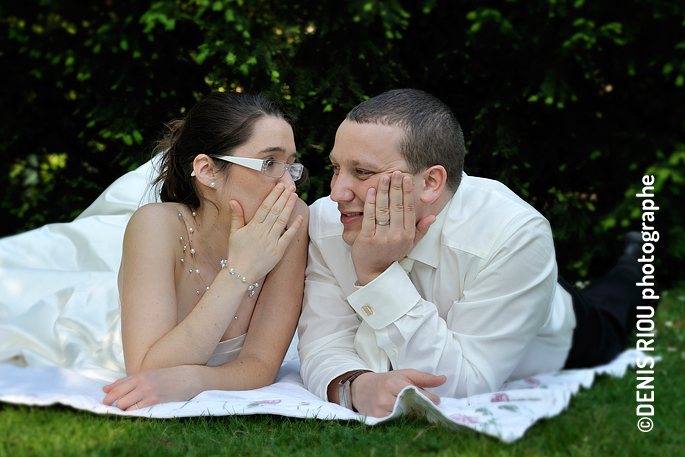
164, 385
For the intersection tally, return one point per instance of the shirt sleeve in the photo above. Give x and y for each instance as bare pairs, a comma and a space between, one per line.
503, 302
326, 330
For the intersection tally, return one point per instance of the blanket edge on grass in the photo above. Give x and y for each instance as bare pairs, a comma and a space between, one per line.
505, 415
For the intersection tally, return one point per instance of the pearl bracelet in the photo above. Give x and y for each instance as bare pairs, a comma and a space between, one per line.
250, 286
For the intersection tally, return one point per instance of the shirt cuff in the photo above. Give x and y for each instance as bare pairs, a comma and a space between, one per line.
385, 299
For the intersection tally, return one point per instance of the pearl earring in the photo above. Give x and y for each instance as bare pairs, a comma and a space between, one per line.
212, 184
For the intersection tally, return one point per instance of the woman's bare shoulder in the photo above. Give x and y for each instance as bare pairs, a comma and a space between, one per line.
301, 209
158, 210
154, 220
156, 213
151, 241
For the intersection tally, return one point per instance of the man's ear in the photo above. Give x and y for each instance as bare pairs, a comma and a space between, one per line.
434, 180
203, 170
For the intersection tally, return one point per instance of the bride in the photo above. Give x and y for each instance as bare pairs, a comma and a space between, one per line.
211, 279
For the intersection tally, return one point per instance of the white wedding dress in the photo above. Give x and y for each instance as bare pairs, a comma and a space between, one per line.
58, 283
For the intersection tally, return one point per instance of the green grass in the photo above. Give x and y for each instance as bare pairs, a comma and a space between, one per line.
599, 422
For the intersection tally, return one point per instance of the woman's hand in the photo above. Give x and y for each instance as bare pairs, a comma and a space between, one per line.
163, 385
254, 249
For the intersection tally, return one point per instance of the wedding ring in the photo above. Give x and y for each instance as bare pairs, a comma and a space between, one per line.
136, 403
382, 222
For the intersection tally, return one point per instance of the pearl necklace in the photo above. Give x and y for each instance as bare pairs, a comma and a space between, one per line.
188, 244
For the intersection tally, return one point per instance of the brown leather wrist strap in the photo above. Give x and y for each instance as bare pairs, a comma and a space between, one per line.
354, 375
349, 379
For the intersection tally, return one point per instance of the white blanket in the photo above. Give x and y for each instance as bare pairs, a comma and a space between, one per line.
60, 337
505, 415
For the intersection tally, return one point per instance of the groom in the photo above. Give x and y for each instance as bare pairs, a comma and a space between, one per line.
420, 275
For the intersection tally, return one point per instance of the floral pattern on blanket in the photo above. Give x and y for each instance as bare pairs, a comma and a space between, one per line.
263, 402
464, 419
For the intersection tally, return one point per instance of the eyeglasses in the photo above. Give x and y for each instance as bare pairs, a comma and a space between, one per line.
270, 167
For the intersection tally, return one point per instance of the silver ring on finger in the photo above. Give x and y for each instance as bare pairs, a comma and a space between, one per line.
136, 403
382, 222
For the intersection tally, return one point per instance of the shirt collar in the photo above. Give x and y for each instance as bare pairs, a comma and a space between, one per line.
427, 250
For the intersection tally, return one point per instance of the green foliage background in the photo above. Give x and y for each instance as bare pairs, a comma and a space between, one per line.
569, 103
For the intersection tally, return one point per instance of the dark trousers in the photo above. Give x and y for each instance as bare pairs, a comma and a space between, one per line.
605, 314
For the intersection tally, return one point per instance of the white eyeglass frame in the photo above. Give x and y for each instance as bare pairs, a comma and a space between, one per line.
261, 164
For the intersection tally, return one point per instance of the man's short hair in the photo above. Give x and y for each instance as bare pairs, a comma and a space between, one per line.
432, 134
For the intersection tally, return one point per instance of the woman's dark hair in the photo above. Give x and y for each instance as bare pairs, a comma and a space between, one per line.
216, 125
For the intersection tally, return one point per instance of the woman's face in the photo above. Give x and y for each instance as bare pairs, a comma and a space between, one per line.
272, 138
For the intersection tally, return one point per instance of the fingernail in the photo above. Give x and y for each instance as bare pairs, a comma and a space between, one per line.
385, 180
397, 176
280, 186
407, 180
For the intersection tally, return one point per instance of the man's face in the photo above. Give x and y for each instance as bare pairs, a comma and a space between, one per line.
361, 155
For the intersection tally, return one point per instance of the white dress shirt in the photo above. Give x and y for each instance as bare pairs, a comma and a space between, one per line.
480, 304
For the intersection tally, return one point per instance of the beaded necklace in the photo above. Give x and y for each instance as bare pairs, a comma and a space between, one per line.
188, 247
188, 244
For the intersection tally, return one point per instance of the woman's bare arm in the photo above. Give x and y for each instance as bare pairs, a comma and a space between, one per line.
151, 333
270, 333
153, 337
273, 324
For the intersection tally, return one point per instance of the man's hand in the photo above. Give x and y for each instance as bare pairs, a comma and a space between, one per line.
374, 394
389, 229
